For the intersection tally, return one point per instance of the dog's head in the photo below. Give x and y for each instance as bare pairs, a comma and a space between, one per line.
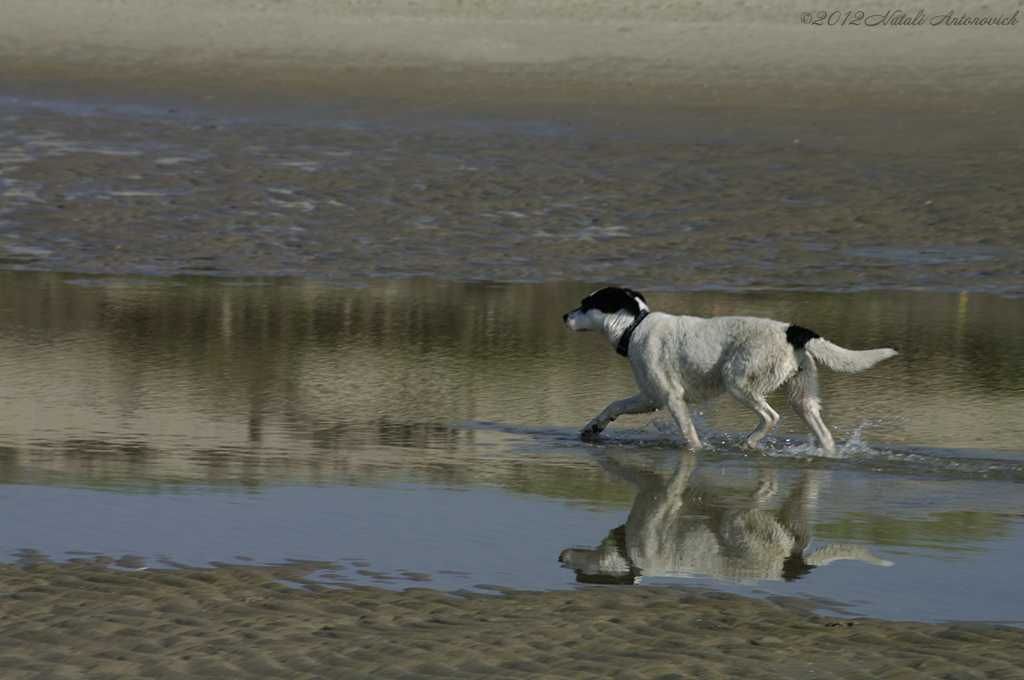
608, 306
609, 563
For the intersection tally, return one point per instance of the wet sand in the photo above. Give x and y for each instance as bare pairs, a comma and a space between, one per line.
731, 69
109, 191
83, 620
725, 146
943, 96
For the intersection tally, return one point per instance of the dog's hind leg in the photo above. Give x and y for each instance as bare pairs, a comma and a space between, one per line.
637, 404
807, 409
803, 396
756, 402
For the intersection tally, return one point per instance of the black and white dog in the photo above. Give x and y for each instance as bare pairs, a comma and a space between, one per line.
680, 360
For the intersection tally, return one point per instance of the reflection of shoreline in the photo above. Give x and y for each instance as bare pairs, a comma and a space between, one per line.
207, 381
676, 528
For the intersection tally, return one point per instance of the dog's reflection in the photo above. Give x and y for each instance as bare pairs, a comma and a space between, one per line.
678, 529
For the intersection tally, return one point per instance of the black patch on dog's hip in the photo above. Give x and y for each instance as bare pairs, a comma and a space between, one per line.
798, 336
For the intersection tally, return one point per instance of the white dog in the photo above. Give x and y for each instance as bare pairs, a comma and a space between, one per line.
680, 360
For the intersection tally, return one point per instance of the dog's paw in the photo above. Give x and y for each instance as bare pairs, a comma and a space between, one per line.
591, 430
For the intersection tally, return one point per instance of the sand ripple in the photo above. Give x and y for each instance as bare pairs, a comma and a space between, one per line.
82, 620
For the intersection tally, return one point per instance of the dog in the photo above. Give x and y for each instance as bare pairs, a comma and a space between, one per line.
680, 360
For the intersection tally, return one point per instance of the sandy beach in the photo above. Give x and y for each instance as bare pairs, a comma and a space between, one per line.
87, 621
935, 90
604, 60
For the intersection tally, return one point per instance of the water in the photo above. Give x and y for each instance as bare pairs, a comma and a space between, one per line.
266, 333
420, 431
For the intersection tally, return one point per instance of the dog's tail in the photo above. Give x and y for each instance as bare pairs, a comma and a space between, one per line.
846, 360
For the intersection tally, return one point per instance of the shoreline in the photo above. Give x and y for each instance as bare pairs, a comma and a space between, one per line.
244, 622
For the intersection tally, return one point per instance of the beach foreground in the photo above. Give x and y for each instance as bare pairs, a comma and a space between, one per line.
84, 620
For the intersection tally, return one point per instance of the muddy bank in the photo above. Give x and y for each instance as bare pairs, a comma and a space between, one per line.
83, 620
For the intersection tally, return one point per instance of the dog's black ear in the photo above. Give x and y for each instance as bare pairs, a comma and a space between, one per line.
612, 300
635, 301
637, 295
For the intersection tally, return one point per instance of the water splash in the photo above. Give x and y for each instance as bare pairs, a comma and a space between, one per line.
854, 452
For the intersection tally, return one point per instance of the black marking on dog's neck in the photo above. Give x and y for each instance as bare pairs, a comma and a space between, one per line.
623, 347
798, 336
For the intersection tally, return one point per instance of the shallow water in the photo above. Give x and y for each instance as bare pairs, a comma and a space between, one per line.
424, 432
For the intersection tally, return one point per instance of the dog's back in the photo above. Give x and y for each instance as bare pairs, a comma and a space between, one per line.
708, 344
705, 356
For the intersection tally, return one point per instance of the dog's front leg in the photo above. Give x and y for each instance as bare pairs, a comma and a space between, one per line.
677, 407
638, 404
